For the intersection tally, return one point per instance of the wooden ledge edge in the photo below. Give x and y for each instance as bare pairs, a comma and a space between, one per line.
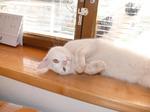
71, 92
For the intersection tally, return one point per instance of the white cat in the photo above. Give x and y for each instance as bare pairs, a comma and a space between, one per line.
97, 55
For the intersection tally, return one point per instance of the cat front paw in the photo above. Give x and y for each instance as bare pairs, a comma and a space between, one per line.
94, 67
80, 69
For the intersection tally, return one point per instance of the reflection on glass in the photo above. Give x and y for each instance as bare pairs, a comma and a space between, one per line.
50, 17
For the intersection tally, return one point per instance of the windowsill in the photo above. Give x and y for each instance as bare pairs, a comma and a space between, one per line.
20, 64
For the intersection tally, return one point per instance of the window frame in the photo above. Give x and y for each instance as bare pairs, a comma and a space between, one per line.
43, 41
89, 21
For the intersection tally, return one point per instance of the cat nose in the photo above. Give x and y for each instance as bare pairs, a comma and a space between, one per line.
65, 62
64, 69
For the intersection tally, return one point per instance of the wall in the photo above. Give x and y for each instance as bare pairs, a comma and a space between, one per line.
20, 93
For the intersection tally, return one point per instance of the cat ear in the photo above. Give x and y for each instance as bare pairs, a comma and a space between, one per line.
44, 63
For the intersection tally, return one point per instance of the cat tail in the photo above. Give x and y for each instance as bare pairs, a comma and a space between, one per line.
44, 63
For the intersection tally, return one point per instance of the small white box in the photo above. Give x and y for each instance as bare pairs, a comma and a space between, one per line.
11, 29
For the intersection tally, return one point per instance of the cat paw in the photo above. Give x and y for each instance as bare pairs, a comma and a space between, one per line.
80, 61
94, 68
80, 69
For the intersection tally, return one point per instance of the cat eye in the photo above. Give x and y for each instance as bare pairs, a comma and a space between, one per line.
55, 60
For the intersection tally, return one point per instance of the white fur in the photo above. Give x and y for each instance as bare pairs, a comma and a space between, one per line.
96, 55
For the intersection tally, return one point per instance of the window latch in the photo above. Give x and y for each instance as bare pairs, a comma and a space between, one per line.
82, 12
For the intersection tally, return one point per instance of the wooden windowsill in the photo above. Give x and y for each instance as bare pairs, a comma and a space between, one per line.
20, 64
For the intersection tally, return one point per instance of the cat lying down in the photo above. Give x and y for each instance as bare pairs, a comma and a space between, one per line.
94, 56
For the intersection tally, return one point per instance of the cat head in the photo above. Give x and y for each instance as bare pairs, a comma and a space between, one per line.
58, 59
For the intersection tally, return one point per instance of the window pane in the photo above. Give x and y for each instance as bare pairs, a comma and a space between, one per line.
125, 21
50, 17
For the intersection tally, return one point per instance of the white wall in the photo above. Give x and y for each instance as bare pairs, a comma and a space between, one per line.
20, 93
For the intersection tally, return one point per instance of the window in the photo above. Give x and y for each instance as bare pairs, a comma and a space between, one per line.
54, 22
45, 21
49, 17
120, 20
125, 22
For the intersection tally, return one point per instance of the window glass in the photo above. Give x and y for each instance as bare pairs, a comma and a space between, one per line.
126, 22
50, 17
